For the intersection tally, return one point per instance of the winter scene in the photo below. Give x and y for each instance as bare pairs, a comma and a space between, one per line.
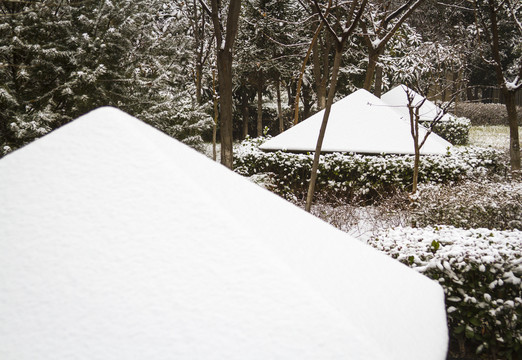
260, 179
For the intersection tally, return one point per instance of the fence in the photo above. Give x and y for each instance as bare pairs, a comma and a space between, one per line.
488, 94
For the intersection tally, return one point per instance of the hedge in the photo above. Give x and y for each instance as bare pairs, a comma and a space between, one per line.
486, 114
485, 204
455, 130
480, 271
349, 175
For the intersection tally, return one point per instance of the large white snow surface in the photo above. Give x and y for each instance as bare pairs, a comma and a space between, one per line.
118, 242
398, 99
360, 123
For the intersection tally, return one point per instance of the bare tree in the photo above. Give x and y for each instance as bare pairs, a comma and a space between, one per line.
225, 37
378, 27
489, 16
353, 11
305, 61
202, 44
414, 107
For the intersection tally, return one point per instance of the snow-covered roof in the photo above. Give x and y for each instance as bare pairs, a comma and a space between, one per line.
397, 97
360, 123
119, 242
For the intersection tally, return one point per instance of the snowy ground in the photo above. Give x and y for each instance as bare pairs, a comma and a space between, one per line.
494, 136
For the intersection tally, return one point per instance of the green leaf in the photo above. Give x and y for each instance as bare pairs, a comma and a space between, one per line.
475, 321
459, 329
435, 245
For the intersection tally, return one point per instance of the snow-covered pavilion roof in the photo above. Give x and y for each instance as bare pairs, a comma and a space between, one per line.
360, 123
397, 97
119, 242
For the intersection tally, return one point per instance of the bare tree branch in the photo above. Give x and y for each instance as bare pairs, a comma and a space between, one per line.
512, 10
398, 24
205, 7
326, 23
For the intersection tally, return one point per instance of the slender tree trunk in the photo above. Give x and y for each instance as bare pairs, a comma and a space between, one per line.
198, 75
224, 46
414, 124
514, 143
320, 70
216, 117
289, 93
378, 81
260, 104
514, 140
307, 102
224, 65
322, 131
416, 161
279, 107
370, 70
303, 68
245, 113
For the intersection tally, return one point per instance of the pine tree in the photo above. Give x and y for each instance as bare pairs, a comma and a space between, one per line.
59, 60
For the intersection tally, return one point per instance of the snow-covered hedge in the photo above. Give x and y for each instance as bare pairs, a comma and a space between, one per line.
480, 271
348, 175
455, 130
483, 204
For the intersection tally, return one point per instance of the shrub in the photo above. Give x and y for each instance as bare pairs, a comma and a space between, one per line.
364, 176
455, 130
485, 114
480, 271
471, 205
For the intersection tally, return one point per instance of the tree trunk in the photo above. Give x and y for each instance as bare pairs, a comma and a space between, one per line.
198, 75
216, 117
370, 70
224, 45
320, 71
279, 107
307, 102
322, 131
514, 140
414, 124
416, 162
378, 81
224, 64
245, 113
514, 144
260, 104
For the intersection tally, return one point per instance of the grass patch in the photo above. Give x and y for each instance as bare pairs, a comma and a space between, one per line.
496, 136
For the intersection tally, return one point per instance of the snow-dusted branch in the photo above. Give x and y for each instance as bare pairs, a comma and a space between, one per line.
397, 12
205, 7
400, 21
513, 14
325, 21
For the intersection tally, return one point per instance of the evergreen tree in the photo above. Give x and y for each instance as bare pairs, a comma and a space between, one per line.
59, 60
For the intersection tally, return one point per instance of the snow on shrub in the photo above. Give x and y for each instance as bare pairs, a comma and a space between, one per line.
480, 271
482, 204
455, 130
348, 175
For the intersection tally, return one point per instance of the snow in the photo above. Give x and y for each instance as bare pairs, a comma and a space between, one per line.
119, 242
376, 43
397, 97
360, 123
514, 85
